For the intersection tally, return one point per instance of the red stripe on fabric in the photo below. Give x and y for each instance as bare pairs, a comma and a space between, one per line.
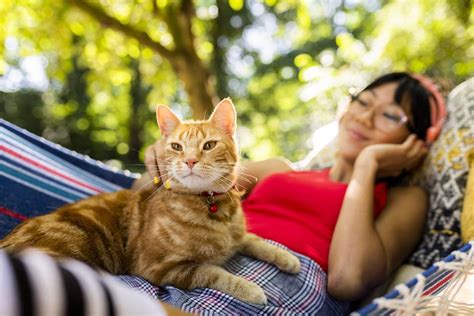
12, 214
31, 161
438, 285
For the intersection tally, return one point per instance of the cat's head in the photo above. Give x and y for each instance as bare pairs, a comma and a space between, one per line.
201, 155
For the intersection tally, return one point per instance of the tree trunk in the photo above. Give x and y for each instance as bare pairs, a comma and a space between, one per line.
196, 81
138, 93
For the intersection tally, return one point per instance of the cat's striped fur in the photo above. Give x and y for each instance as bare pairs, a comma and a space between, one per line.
165, 236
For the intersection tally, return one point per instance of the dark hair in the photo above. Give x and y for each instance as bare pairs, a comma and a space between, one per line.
411, 92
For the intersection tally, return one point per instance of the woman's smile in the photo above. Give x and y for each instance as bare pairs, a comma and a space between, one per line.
356, 135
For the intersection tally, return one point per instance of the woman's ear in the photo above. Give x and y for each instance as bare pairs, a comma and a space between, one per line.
224, 116
432, 134
167, 120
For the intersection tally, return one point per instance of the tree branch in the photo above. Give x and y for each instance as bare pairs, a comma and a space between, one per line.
178, 18
156, 9
186, 17
105, 19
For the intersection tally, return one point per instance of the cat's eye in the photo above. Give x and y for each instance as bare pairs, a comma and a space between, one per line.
176, 146
209, 145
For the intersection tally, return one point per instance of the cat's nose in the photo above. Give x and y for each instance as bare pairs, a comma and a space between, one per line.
191, 163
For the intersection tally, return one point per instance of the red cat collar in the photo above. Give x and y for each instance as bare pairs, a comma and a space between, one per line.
211, 200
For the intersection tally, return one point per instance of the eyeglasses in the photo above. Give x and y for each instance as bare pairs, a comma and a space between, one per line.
387, 118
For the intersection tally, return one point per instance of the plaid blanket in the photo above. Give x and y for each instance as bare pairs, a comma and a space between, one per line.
37, 176
301, 294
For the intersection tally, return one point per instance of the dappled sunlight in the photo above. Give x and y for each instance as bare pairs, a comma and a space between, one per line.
96, 70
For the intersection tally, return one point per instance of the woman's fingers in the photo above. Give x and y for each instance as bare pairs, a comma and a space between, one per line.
160, 160
150, 162
155, 162
415, 148
409, 142
416, 154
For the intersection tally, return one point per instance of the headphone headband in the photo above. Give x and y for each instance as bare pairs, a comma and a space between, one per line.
437, 108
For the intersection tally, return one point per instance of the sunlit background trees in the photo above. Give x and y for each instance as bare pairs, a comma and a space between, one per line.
88, 74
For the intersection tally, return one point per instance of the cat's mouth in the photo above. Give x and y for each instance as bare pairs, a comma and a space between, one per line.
190, 174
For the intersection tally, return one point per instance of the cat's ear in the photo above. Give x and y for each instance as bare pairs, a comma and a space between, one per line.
224, 116
167, 120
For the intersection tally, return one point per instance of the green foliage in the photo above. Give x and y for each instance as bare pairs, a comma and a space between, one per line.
286, 64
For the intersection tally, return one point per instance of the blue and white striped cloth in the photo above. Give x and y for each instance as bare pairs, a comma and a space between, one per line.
32, 283
37, 176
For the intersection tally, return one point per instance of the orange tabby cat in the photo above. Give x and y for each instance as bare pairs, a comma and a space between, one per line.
178, 236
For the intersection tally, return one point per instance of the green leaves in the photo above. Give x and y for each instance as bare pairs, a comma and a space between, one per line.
109, 65
236, 5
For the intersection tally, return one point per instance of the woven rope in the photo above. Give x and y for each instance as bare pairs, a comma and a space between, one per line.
414, 301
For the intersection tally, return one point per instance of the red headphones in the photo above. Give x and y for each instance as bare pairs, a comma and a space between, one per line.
437, 108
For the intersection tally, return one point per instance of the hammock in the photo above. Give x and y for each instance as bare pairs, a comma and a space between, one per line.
434, 290
57, 176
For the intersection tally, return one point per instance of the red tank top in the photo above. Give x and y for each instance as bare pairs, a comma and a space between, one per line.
299, 209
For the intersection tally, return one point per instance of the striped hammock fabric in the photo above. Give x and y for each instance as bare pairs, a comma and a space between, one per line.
38, 176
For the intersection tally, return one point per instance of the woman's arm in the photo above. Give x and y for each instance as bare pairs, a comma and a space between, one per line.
252, 172
365, 251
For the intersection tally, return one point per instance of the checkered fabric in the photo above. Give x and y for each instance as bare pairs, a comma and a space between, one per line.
301, 294
37, 176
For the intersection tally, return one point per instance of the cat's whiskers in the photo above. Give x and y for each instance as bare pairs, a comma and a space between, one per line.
241, 172
221, 180
134, 164
145, 184
136, 150
158, 189
218, 168
224, 183
209, 172
243, 176
240, 169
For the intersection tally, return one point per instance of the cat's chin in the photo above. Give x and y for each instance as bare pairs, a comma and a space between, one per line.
194, 182
198, 184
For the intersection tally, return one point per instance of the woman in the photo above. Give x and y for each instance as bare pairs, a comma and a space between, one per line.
348, 213
347, 226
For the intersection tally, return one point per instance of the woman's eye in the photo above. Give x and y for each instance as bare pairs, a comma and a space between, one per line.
176, 146
209, 145
356, 99
393, 117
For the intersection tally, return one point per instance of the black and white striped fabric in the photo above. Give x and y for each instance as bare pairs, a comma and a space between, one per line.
32, 283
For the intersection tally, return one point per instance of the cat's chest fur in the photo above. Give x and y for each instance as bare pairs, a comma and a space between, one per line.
169, 226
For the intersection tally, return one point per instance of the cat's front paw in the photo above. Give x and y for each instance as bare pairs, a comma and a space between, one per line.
288, 262
250, 293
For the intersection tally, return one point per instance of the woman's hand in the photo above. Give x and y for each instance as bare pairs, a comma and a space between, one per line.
393, 159
155, 162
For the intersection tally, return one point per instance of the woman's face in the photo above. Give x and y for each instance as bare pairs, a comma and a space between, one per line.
369, 121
